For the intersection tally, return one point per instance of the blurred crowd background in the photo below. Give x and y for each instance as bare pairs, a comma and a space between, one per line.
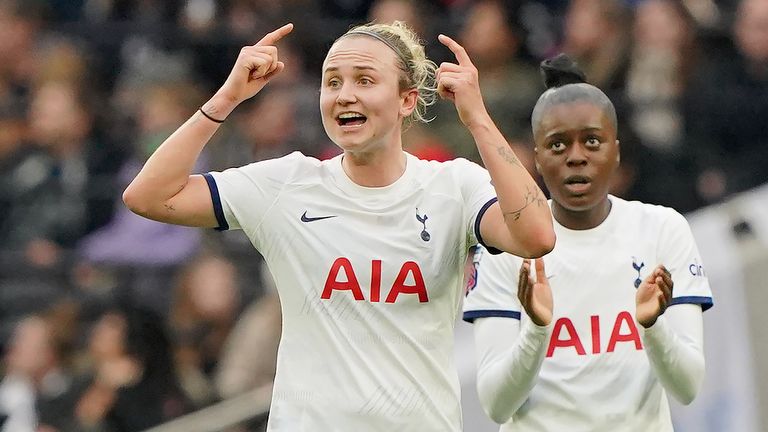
109, 322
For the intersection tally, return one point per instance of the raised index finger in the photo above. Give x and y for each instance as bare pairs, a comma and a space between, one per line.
456, 49
272, 37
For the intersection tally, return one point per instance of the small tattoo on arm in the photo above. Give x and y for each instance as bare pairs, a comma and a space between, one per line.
533, 195
509, 156
169, 207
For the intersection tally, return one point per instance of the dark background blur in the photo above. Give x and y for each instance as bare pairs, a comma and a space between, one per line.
109, 322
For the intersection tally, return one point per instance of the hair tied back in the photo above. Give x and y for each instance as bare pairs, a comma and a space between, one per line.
561, 70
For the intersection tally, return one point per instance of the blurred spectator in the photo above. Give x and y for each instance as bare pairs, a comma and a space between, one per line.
127, 240
408, 11
596, 36
250, 355
22, 170
205, 306
38, 386
663, 57
135, 385
26, 362
727, 111
350, 10
50, 209
132, 257
510, 85
248, 359
20, 23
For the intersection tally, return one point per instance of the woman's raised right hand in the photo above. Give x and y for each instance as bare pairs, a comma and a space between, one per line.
255, 67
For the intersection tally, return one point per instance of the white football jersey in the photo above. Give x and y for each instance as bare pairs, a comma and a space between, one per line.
596, 376
370, 282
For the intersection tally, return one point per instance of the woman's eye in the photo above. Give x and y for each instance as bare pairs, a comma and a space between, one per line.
334, 83
365, 81
557, 146
593, 142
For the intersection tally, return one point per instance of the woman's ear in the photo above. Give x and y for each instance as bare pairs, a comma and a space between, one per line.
536, 159
410, 98
618, 152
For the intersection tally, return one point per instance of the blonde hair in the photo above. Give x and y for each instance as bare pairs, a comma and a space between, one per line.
418, 72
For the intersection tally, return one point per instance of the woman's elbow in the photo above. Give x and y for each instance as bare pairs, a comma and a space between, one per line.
133, 200
497, 411
498, 416
541, 243
494, 405
686, 394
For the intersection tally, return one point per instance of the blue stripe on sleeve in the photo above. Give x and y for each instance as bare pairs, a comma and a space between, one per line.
483, 209
471, 316
705, 302
217, 209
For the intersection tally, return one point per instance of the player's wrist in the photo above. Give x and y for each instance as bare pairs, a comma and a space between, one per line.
220, 106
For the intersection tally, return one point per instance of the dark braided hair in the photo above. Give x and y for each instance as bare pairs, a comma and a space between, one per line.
566, 83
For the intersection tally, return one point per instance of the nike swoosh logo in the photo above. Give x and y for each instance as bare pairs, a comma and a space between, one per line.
305, 218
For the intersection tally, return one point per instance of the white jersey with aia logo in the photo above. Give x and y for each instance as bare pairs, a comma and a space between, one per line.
596, 376
370, 282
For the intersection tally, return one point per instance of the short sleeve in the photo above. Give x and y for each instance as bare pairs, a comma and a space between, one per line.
242, 196
479, 195
492, 286
679, 253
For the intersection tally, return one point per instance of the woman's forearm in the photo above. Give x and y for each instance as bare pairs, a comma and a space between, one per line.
167, 171
508, 364
674, 345
523, 205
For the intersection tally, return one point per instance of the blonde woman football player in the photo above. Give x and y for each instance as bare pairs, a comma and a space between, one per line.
366, 249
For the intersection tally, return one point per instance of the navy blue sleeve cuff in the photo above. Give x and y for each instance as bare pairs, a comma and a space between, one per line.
471, 316
217, 209
705, 302
480, 214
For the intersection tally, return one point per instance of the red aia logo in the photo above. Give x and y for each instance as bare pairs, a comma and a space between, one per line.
564, 334
332, 282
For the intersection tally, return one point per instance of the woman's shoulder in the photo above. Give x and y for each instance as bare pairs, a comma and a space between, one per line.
289, 161
459, 165
646, 212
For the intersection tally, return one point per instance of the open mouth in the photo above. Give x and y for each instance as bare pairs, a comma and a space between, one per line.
351, 119
577, 184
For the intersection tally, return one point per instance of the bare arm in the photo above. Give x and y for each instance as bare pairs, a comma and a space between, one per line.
164, 190
521, 222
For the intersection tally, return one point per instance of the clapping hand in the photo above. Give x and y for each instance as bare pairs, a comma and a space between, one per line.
535, 296
653, 296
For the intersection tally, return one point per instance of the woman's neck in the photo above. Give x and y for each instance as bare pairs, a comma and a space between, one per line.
581, 219
375, 169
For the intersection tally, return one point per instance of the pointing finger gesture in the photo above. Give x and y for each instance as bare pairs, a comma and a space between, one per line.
458, 82
255, 66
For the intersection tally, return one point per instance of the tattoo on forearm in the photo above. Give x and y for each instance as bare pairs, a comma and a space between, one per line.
169, 207
533, 195
509, 156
